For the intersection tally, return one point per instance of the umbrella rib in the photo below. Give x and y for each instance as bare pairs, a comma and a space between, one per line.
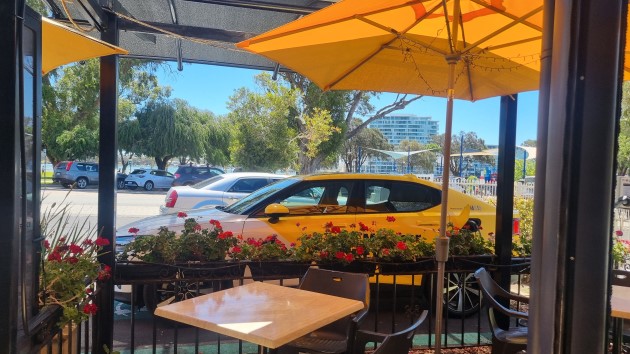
383, 46
504, 45
506, 14
339, 20
502, 29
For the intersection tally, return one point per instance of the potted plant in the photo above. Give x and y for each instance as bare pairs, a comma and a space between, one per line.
195, 253
268, 258
336, 248
469, 249
398, 253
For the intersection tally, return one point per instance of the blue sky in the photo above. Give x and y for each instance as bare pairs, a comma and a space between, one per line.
209, 87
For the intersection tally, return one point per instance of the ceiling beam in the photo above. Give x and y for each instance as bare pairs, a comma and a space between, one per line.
212, 34
260, 5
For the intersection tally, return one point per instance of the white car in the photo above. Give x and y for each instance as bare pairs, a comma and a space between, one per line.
149, 179
222, 189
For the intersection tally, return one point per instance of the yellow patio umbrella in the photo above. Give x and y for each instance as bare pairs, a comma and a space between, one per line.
465, 49
63, 45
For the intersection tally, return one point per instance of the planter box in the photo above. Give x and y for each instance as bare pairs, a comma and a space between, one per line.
268, 270
405, 268
368, 267
131, 272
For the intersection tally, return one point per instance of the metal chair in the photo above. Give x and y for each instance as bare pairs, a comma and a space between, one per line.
337, 337
504, 341
392, 343
619, 278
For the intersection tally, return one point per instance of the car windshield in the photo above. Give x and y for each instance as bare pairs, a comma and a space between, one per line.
255, 197
207, 182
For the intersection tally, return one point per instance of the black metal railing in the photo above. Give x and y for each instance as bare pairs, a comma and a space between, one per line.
395, 300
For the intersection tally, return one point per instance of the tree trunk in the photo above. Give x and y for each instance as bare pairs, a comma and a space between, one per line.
161, 162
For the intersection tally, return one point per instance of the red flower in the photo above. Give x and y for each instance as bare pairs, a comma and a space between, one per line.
46, 244
335, 229
391, 219
236, 249
54, 257
349, 257
401, 245
102, 241
87, 242
353, 226
385, 251
360, 250
215, 223
226, 234
89, 291
363, 227
197, 227
181, 214
340, 255
76, 249
105, 273
619, 233
134, 230
323, 254
328, 225
297, 224
72, 260
90, 309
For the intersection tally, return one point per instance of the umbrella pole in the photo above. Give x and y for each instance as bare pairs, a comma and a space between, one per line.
441, 245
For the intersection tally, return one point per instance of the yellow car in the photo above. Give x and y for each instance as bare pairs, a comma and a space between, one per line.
299, 204
311, 201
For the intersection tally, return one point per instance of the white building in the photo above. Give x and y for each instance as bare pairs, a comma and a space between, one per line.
396, 128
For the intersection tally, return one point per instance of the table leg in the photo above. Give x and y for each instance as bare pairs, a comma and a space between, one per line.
617, 335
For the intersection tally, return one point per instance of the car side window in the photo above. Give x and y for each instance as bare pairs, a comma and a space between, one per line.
93, 168
397, 196
325, 197
160, 173
248, 185
81, 166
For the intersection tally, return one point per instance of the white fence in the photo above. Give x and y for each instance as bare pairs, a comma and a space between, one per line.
482, 189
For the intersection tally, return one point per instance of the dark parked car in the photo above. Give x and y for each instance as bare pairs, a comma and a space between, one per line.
187, 175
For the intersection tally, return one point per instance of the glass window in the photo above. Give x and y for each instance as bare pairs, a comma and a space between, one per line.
248, 185
321, 197
395, 196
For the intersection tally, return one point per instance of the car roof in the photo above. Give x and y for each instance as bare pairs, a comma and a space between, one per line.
250, 174
333, 176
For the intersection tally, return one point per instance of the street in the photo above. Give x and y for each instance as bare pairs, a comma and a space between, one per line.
130, 205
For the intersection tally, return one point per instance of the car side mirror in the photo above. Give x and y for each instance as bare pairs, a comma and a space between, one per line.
275, 211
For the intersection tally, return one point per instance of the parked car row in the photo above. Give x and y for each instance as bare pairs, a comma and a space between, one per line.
222, 189
83, 174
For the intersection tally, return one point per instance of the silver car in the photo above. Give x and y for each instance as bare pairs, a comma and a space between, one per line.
68, 173
149, 179
223, 189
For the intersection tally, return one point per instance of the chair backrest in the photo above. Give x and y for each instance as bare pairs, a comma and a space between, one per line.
491, 291
400, 342
620, 277
349, 285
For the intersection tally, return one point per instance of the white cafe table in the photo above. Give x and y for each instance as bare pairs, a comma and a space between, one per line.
261, 313
620, 310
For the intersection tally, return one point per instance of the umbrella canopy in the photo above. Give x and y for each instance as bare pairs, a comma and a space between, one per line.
403, 46
467, 49
63, 45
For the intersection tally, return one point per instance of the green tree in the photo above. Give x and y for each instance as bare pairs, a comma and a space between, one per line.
529, 143
471, 143
217, 143
71, 104
422, 162
623, 153
366, 140
261, 138
169, 128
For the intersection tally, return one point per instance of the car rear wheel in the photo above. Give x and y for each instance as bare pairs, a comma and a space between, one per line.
120, 184
148, 186
82, 182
